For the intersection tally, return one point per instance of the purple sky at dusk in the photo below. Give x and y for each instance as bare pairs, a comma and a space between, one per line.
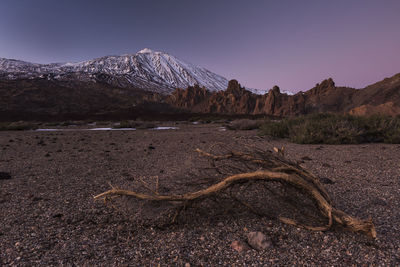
292, 44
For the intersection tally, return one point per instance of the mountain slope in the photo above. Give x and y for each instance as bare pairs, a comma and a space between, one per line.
387, 90
148, 70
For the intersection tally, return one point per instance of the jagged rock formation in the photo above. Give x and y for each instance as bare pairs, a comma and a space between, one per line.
237, 100
382, 97
234, 100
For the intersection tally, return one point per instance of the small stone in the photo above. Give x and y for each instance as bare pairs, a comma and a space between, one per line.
258, 240
326, 181
239, 246
5, 176
220, 224
379, 202
187, 264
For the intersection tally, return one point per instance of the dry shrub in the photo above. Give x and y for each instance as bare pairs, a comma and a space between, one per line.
335, 129
244, 124
18, 126
136, 124
264, 182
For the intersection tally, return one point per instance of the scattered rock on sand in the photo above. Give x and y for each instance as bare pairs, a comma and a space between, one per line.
258, 240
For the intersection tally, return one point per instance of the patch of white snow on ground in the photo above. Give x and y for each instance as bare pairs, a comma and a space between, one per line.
165, 128
112, 129
48, 130
92, 129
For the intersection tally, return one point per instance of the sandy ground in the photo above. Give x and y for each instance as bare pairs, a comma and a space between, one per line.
49, 217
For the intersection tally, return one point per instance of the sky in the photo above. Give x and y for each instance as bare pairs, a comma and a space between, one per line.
292, 44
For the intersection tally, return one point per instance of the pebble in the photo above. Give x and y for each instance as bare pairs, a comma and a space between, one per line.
258, 240
239, 246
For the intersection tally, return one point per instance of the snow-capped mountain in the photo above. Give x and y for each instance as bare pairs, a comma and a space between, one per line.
147, 69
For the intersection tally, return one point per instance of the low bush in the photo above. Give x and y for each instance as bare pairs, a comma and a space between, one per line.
335, 129
244, 124
51, 124
135, 124
17, 126
67, 123
208, 119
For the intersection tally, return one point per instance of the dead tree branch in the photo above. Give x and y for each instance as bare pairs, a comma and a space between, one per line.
274, 169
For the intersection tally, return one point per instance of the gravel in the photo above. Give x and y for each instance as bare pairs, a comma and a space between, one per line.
49, 217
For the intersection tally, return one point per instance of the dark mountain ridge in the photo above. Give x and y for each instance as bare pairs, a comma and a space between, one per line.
98, 97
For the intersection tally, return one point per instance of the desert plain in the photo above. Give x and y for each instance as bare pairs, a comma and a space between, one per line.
49, 215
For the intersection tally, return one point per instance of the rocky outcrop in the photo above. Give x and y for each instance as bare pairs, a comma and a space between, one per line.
189, 98
323, 97
234, 100
237, 100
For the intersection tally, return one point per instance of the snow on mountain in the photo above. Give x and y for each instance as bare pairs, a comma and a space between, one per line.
264, 91
147, 69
